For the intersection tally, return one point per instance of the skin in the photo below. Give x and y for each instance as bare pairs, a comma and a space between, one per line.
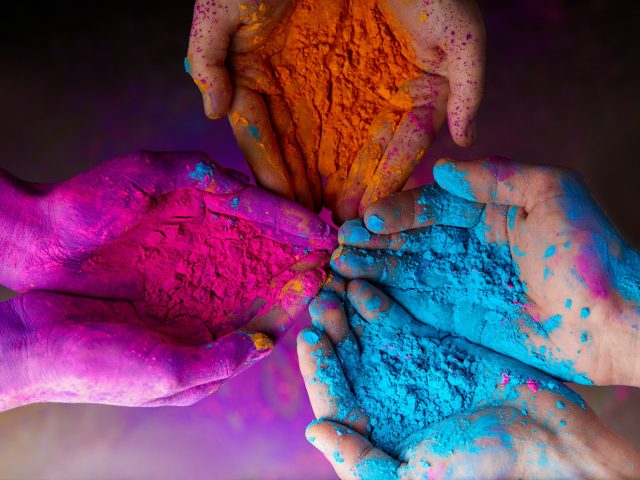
495, 441
569, 256
87, 331
448, 39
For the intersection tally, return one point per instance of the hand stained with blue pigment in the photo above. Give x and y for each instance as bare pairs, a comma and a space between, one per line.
453, 279
407, 376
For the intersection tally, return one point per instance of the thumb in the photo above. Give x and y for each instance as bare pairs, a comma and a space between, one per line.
220, 360
214, 23
498, 180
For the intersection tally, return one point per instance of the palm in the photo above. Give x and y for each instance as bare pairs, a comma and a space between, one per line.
305, 72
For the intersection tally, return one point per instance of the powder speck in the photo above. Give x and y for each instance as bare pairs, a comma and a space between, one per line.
375, 223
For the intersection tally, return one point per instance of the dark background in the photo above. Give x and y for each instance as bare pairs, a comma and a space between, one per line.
82, 82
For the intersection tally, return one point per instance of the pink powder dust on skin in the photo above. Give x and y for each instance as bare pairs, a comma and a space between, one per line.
594, 280
199, 278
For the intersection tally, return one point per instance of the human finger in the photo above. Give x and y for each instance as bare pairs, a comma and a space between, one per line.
421, 207
377, 266
291, 302
424, 103
328, 389
499, 180
252, 127
213, 25
352, 456
365, 164
328, 315
465, 52
280, 216
304, 175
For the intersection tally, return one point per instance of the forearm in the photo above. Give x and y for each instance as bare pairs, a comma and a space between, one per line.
15, 381
22, 221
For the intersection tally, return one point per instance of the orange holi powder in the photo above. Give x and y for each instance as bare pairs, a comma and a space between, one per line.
336, 64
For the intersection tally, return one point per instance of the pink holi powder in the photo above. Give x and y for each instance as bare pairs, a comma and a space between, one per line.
203, 278
505, 379
595, 281
533, 385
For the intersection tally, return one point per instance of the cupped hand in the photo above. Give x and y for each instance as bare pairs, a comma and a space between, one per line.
310, 96
64, 348
516, 422
543, 277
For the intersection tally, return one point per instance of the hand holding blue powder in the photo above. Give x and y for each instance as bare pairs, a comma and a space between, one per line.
396, 398
516, 258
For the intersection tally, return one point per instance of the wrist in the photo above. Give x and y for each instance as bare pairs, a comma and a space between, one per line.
22, 226
16, 387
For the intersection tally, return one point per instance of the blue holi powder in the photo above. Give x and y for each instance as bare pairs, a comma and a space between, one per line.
566, 244
187, 65
568, 303
550, 252
511, 217
585, 214
584, 337
234, 202
454, 280
560, 404
585, 312
353, 231
563, 423
407, 377
546, 273
375, 223
517, 252
201, 172
310, 337
337, 457
552, 323
453, 180
255, 133
441, 207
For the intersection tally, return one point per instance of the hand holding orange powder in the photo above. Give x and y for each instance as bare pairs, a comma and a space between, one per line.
335, 103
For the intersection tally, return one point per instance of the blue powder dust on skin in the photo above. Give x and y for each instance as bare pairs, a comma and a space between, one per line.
187, 65
407, 376
517, 252
560, 404
585, 312
337, 457
456, 281
375, 223
550, 252
453, 180
353, 232
202, 171
568, 303
546, 273
584, 337
255, 133
234, 202
552, 323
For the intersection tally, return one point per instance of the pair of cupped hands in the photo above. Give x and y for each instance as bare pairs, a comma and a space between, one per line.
84, 331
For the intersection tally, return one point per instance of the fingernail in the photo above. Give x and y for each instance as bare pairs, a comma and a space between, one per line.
353, 231
374, 223
451, 179
310, 336
310, 438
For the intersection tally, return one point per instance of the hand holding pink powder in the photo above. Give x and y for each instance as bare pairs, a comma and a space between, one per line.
162, 265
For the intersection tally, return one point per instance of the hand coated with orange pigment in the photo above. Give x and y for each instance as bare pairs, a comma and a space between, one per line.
335, 103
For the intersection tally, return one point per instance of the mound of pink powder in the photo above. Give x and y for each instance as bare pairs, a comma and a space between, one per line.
199, 278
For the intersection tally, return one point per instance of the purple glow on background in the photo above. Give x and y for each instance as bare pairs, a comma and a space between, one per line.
117, 89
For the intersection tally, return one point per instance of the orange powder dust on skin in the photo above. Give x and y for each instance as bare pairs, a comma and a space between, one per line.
337, 65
